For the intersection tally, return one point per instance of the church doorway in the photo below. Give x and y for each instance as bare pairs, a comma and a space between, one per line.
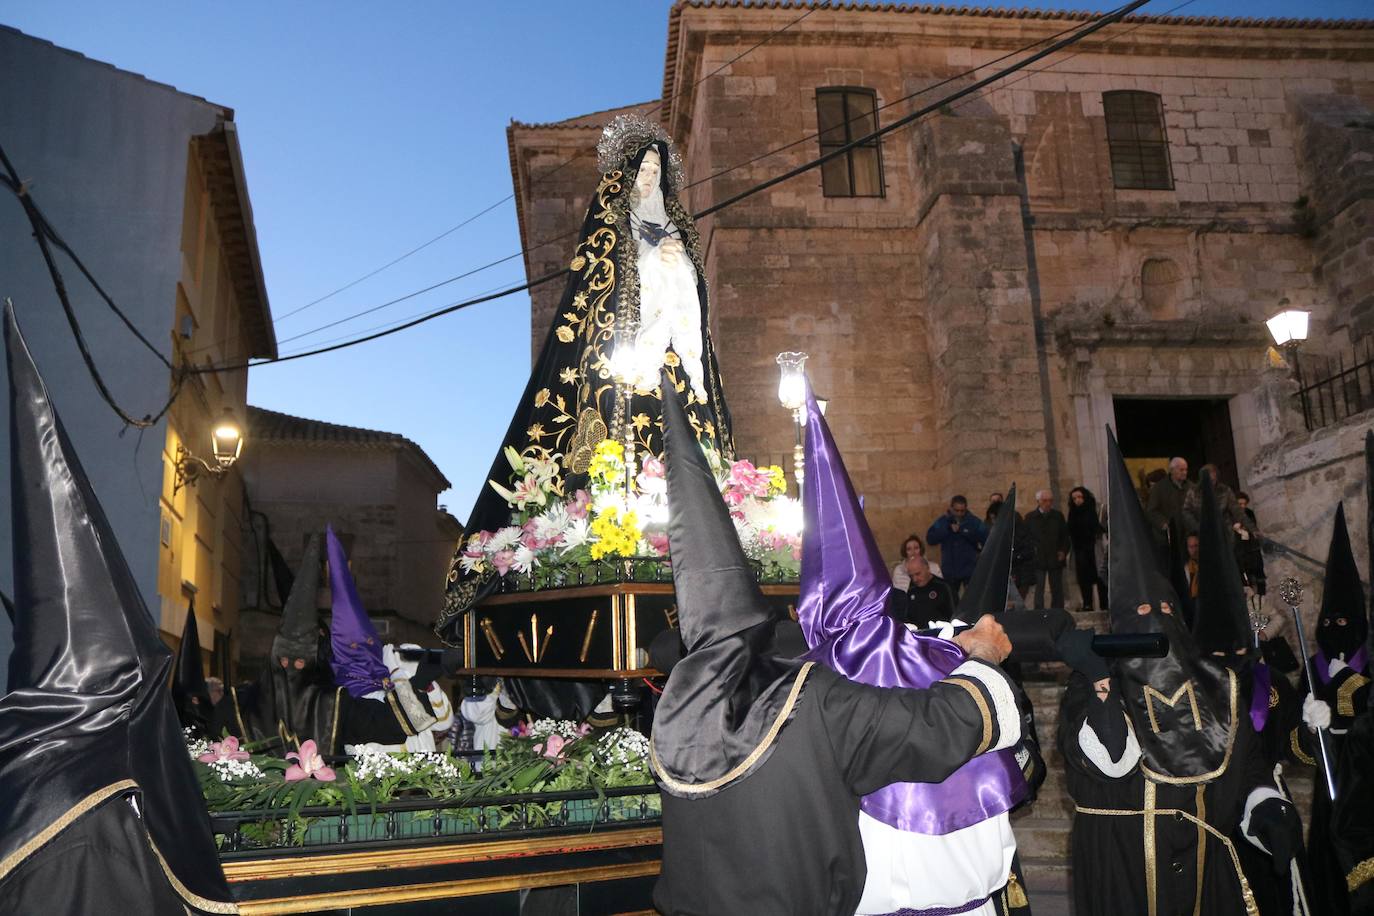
1151, 431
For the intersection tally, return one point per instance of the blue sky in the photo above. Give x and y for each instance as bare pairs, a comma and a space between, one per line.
370, 128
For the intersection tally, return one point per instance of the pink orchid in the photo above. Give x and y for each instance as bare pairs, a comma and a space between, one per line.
309, 764
652, 467
658, 543
554, 749
581, 502
228, 749
583, 730
502, 560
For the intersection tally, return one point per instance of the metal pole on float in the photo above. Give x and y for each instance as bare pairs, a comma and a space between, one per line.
1290, 590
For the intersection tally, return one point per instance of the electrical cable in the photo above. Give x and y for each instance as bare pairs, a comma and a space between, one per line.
711, 177
41, 234
1078, 34
545, 177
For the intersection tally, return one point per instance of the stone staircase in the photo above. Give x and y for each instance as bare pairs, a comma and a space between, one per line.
1042, 829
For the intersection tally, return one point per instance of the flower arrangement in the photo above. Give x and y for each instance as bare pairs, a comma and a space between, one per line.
545, 756
551, 537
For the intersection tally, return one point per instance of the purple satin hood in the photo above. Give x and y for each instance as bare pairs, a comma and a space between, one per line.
843, 612
1259, 696
357, 662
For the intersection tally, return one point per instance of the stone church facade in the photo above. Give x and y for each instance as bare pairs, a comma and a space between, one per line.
1096, 240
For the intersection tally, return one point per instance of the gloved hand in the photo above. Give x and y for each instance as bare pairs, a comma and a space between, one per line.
1316, 714
1335, 667
1274, 822
1075, 648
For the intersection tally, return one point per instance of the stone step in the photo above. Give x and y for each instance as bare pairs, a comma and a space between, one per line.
1045, 875
1046, 839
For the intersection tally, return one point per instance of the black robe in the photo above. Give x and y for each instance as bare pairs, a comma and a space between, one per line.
119, 872
1352, 818
785, 839
1111, 860
294, 706
1348, 696
1284, 741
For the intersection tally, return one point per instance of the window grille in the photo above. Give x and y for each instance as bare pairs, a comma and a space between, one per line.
1136, 139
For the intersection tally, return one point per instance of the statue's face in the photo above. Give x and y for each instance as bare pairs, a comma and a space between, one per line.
649, 170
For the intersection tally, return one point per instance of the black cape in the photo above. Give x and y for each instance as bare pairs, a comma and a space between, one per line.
786, 840
88, 724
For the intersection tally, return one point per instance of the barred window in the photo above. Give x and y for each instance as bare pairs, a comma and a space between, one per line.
1135, 136
843, 114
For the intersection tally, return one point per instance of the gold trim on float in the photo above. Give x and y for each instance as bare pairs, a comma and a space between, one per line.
1152, 776
449, 854
14, 859
744, 765
982, 702
445, 889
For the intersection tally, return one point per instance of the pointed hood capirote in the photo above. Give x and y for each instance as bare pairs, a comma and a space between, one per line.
357, 655
299, 633
986, 592
88, 719
728, 698
843, 613
1221, 619
190, 694
1183, 708
1342, 626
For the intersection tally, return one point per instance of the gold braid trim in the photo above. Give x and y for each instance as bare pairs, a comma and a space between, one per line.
14, 859
238, 714
190, 896
768, 739
983, 709
334, 729
1251, 908
1359, 875
1296, 747
1345, 696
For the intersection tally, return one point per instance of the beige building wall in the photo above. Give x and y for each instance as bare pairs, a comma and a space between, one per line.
216, 320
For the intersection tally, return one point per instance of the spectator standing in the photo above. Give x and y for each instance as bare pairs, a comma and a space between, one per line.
1190, 566
1050, 532
928, 596
1231, 513
1249, 547
1086, 537
913, 546
959, 536
994, 502
1166, 500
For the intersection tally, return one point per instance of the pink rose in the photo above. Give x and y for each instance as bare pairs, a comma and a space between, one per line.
502, 560
658, 543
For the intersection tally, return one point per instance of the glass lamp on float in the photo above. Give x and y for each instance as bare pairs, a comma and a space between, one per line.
792, 395
625, 370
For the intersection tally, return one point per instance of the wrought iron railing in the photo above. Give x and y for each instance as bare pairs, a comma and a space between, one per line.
1339, 389
418, 821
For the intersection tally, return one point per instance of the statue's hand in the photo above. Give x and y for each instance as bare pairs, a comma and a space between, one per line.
669, 250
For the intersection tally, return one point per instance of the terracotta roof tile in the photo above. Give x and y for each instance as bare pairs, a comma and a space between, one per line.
272, 426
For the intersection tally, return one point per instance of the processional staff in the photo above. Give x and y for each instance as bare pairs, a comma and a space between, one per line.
1290, 590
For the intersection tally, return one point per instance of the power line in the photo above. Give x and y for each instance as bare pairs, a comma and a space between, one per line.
545, 177
1079, 34
711, 177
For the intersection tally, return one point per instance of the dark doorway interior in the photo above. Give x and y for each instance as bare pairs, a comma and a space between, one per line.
1197, 429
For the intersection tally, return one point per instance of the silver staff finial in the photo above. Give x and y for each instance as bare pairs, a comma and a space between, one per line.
1290, 590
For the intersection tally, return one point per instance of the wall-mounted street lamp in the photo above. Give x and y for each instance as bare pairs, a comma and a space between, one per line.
792, 395
226, 444
1289, 328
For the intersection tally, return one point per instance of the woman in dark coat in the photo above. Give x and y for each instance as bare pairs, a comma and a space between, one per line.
1085, 533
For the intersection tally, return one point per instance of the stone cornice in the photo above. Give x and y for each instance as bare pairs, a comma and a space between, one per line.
1077, 334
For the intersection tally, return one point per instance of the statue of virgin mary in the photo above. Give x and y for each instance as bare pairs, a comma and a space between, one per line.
636, 278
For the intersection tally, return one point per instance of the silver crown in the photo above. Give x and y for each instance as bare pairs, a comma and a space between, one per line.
626, 135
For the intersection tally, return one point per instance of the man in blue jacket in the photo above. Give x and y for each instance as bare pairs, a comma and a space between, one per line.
960, 536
